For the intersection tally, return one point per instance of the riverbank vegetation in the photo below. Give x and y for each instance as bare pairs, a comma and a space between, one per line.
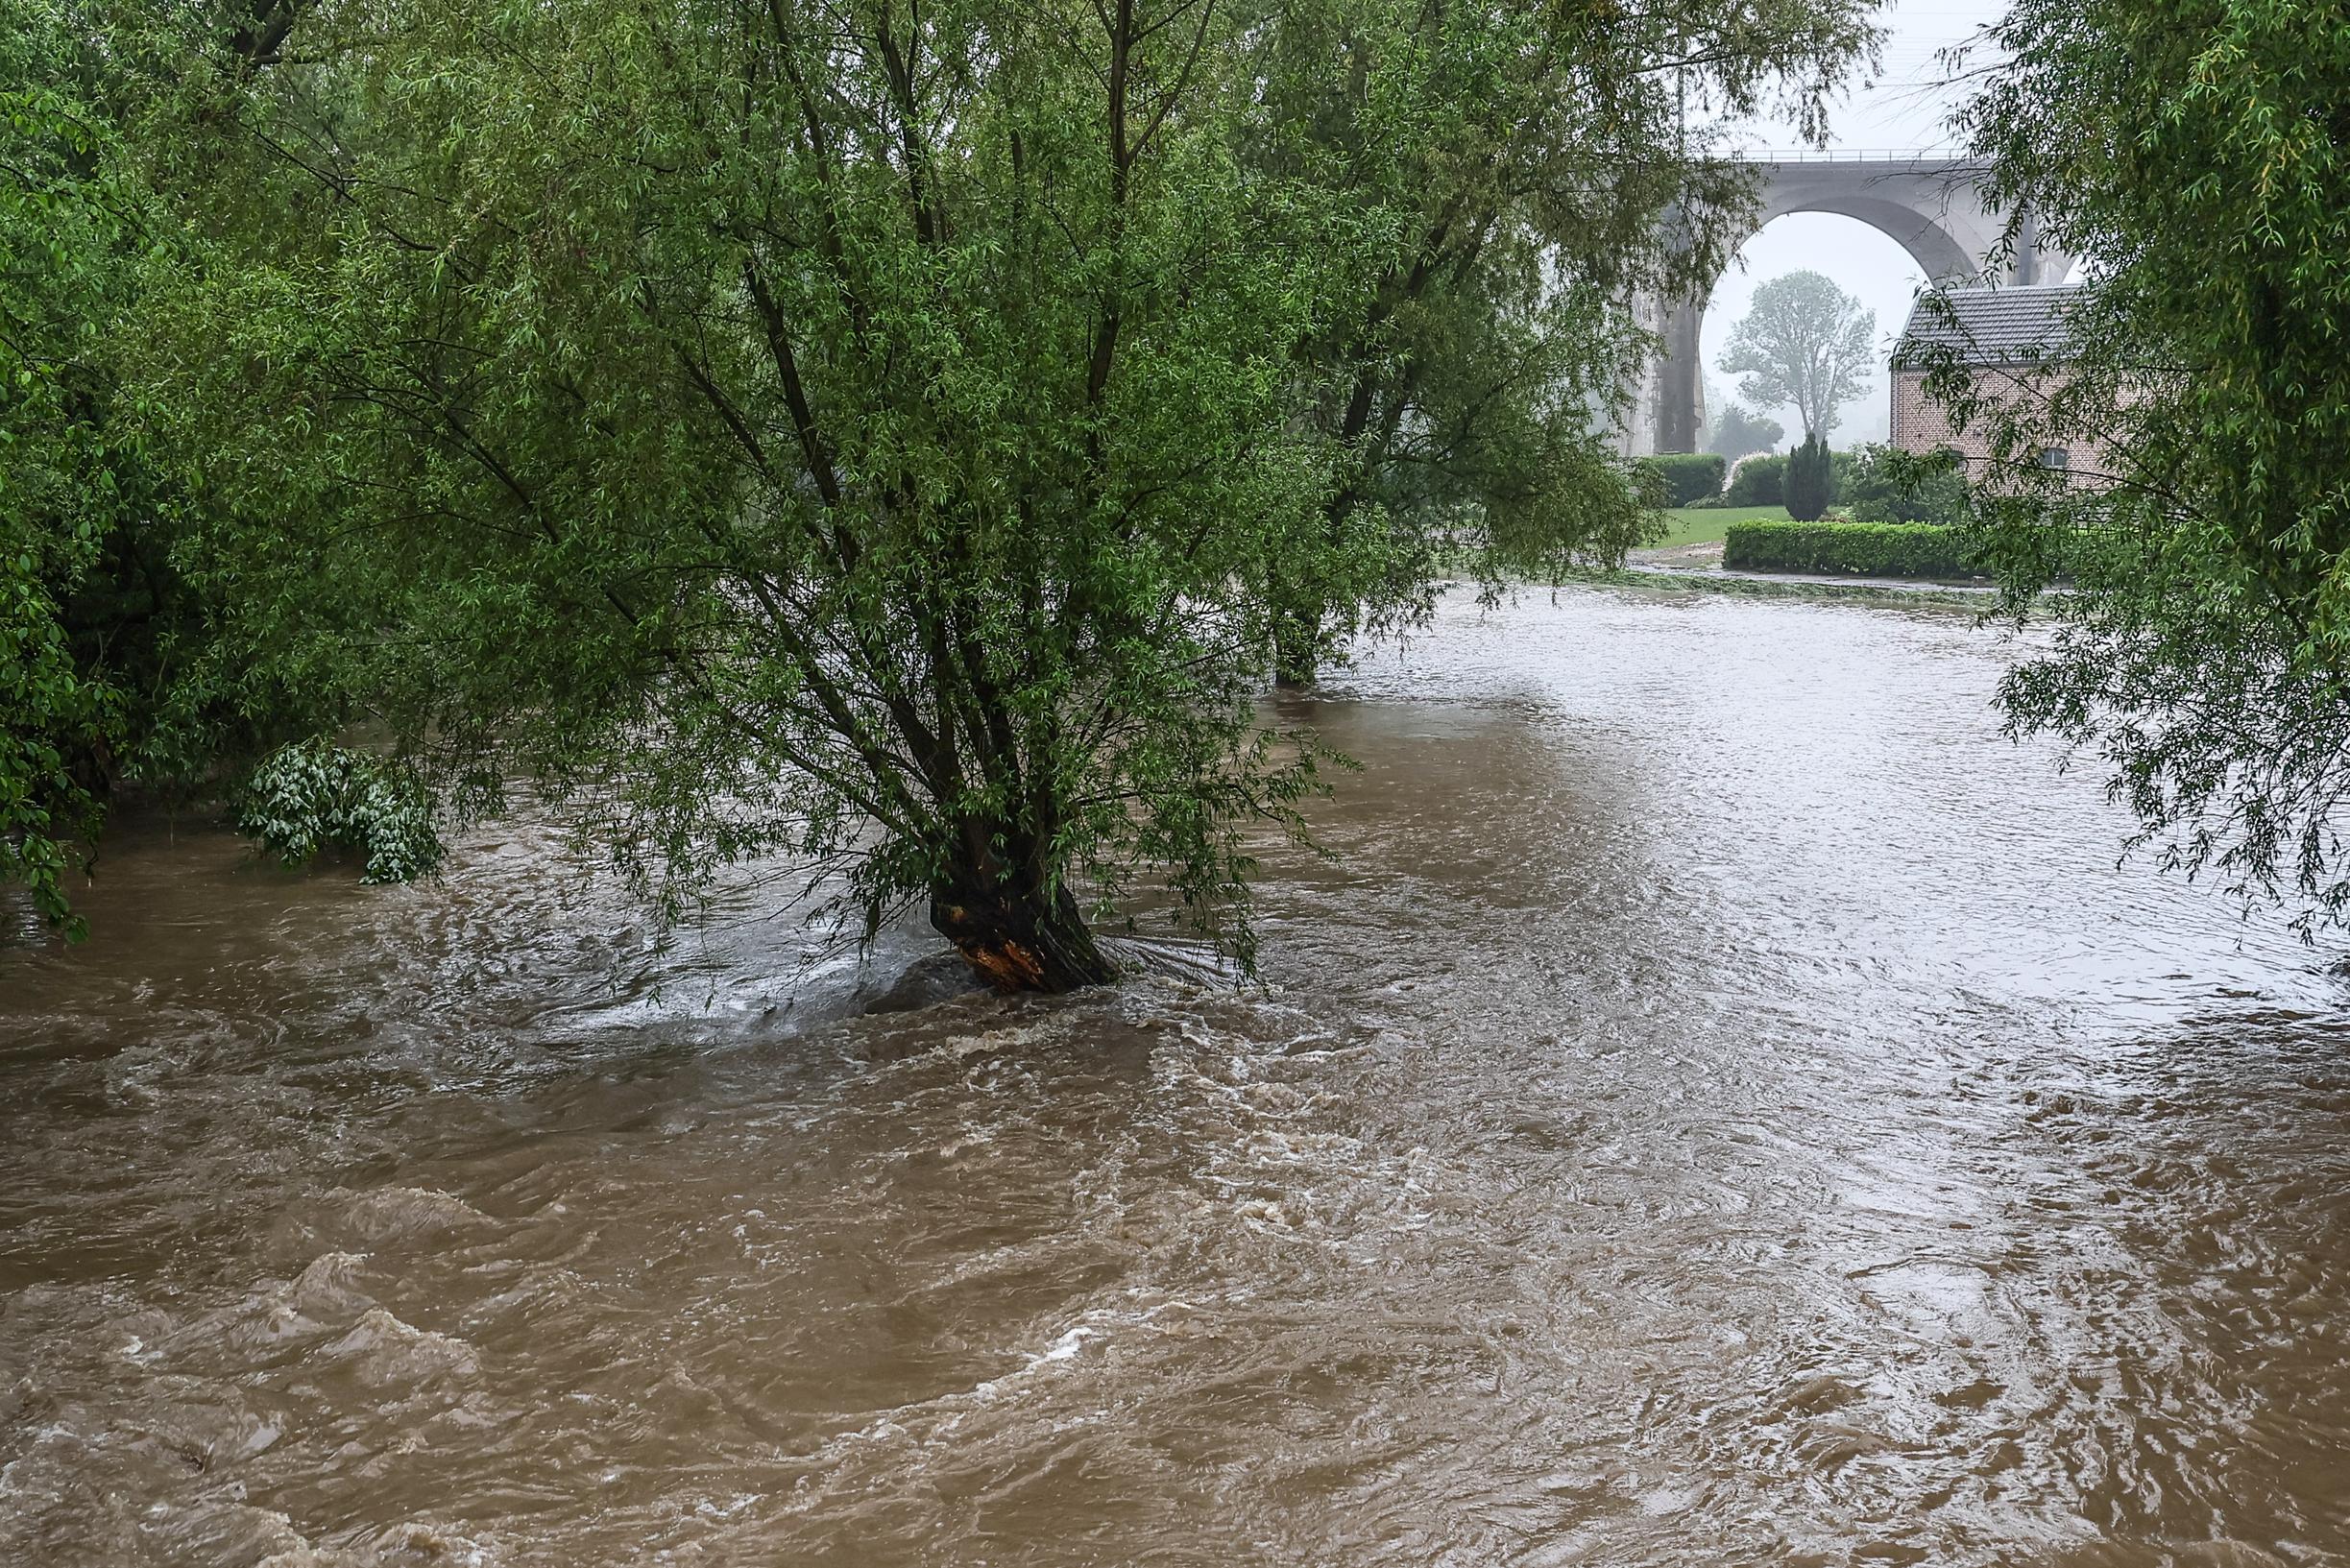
900, 440
113, 670
2204, 659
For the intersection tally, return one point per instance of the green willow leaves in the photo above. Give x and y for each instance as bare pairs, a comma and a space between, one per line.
98, 689
800, 430
2200, 154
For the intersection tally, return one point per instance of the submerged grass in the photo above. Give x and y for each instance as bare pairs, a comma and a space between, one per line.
1749, 588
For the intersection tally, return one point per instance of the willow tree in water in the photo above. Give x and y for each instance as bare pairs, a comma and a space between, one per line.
886, 435
836, 430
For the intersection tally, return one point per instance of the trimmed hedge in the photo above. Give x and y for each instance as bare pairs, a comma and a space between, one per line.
1860, 549
1686, 476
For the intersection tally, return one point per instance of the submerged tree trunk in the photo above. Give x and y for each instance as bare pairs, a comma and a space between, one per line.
1296, 647
1022, 938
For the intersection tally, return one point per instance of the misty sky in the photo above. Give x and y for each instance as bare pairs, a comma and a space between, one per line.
1904, 107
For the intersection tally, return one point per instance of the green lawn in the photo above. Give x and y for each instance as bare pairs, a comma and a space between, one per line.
1707, 524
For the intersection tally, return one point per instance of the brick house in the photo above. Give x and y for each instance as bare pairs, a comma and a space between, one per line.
2012, 342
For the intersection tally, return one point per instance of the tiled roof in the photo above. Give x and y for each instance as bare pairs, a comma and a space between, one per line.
1992, 327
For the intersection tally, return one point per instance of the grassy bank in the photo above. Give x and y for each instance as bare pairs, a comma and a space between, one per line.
1710, 524
1673, 583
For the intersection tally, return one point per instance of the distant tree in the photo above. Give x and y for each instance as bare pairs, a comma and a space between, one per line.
1805, 341
1810, 482
1738, 432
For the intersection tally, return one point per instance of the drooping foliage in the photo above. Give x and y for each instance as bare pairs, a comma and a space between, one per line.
790, 430
105, 675
1533, 154
2200, 154
61, 239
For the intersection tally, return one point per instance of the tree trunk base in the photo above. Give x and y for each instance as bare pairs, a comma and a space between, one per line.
1014, 943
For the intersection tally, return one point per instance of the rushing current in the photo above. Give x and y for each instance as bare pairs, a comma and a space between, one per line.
1717, 1102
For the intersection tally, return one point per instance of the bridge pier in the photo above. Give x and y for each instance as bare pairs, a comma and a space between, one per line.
1681, 379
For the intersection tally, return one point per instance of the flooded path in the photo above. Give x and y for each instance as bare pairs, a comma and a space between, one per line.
1721, 1106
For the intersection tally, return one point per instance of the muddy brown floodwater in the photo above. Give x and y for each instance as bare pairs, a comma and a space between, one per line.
1721, 1106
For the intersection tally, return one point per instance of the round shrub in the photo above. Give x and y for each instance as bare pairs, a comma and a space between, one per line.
1685, 477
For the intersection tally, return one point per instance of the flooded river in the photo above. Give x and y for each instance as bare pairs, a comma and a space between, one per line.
1721, 1105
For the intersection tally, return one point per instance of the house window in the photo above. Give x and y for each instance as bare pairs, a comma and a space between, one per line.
2055, 457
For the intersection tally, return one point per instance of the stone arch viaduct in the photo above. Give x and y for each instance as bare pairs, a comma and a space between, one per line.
1927, 204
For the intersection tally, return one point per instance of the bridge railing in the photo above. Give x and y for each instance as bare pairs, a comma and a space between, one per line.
1847, 155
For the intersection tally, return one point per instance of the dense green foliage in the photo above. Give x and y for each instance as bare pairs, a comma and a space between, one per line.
1810, 482
106, 675
61, 239
905, 444
1685, 477
902, 441
1885, 484
2199, 152
1805, 341
1735, 432
1860, 549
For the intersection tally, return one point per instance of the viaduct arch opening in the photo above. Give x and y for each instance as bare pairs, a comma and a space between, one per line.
1927, 206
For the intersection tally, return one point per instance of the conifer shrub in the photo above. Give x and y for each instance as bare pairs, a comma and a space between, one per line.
1810, 482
